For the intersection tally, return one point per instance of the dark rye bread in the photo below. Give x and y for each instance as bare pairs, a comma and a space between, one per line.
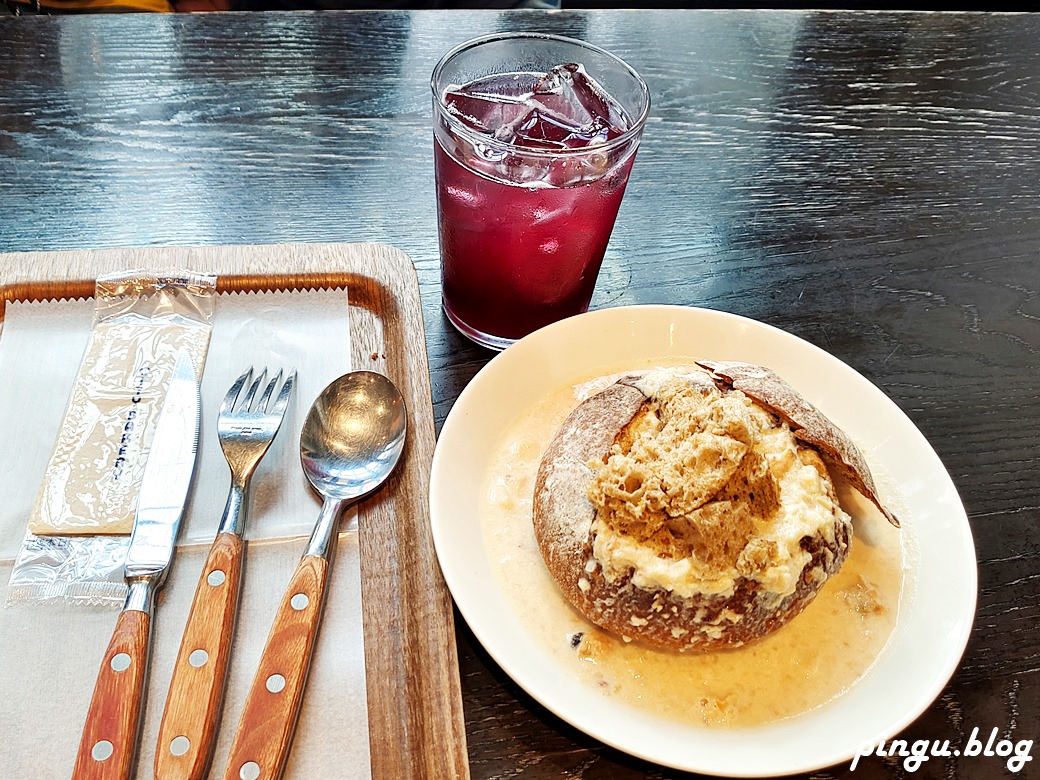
563, 520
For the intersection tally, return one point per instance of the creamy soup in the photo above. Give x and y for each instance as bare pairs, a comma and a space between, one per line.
813, 659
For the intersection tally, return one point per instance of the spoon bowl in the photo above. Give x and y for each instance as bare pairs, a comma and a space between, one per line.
353, 436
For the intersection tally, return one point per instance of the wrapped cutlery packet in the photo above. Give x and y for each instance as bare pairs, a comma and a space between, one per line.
78, 530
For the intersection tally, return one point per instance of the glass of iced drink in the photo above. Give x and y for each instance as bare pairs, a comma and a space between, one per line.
534, 139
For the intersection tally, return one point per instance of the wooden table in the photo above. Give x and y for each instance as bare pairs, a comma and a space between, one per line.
866, 181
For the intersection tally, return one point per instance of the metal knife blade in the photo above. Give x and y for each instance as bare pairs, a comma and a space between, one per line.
108, 745
167, 476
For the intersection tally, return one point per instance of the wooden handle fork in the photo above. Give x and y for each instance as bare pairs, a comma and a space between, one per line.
188, 732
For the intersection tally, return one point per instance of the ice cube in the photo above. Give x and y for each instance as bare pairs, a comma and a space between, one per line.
564, 109
481, 110
569, 92
543, 127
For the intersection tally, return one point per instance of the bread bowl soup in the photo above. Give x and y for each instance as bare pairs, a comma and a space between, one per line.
755, 585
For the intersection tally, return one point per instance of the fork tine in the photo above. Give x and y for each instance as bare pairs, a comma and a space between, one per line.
247, 403
283, 396
233, 392
261, 405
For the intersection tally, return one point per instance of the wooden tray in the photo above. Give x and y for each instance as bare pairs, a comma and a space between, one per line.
416, 726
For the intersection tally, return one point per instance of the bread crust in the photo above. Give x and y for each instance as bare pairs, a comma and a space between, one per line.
563, 522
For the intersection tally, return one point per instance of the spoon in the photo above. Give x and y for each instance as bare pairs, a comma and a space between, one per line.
351, 441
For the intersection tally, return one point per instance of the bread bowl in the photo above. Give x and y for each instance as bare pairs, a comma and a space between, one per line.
693, 508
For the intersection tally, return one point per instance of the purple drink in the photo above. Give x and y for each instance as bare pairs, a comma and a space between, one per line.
531, 168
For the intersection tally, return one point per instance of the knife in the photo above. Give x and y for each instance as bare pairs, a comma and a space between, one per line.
109, 742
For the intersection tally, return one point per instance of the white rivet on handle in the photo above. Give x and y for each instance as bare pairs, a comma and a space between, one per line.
198, 658
120, 662
102, 750
275, 683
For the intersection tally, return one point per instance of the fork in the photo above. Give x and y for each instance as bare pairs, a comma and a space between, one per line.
246, 426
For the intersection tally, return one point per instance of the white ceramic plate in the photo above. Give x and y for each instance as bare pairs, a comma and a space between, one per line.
938, 602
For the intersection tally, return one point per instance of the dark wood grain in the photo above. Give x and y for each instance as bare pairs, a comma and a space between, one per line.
866, 181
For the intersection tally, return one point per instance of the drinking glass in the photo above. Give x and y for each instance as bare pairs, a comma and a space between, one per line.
531, 163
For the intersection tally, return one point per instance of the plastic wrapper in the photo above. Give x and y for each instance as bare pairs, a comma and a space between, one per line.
78, 531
